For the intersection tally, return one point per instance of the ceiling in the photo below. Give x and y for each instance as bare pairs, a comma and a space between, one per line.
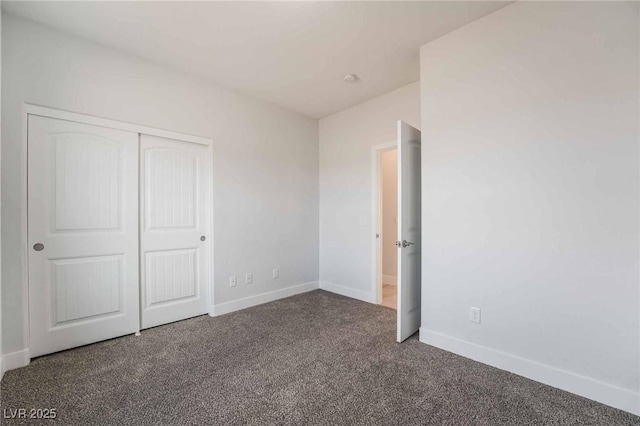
294, 54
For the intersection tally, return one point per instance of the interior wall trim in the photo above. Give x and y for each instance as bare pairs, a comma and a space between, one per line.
605, 393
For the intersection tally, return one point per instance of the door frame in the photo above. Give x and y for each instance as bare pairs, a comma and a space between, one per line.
376, 218
44, 111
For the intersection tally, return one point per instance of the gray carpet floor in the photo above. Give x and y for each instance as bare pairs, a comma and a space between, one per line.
315, 358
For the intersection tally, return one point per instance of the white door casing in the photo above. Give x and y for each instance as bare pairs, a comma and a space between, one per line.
409, 231
174, 229
83, 208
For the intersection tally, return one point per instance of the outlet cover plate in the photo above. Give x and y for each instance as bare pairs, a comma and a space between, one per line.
474, 314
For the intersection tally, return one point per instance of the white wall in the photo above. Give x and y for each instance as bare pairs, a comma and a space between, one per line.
1, 363
346, 139
389, 166
265, 158
530, 136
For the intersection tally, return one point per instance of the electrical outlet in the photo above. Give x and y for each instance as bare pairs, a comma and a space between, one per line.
474, 315
276, 273
248, 278
233, 281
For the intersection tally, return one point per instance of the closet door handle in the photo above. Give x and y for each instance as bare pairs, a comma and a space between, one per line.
203, 238
38, 246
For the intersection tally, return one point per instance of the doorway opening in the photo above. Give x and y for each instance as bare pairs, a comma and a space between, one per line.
384, 168
389, 226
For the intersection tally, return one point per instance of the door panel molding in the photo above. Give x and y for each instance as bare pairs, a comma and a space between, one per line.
82, 290
33, 110
175, 209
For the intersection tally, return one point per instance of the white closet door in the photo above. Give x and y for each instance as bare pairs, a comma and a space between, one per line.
175, 204
82, 233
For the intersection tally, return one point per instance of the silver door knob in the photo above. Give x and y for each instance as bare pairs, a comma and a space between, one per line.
38, 246
404, 243
203, 238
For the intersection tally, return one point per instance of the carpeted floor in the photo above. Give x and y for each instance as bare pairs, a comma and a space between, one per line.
316, 358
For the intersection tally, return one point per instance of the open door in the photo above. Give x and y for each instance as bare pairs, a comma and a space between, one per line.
409, 231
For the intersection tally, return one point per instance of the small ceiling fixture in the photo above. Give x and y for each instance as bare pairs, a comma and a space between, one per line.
350, 78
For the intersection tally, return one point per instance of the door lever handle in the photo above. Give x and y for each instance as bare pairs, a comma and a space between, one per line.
404, 243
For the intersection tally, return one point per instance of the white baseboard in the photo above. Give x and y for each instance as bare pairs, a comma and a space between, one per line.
389, 280
15, 360
365, 296
623, 399
259, 299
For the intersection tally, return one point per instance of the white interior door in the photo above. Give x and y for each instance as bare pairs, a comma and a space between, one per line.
409, 231
82, 234
175, 238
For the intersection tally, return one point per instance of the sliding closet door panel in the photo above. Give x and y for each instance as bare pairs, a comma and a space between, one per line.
175, 205
83, 234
